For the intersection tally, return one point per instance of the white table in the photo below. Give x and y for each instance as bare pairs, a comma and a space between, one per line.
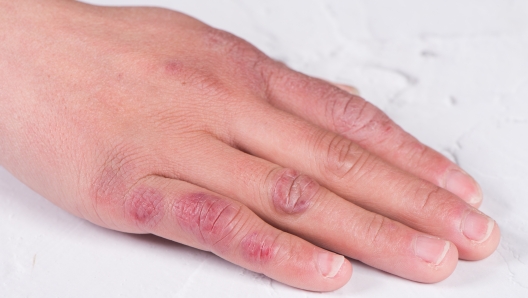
452, 72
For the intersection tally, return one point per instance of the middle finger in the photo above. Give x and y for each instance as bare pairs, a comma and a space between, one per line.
361, 177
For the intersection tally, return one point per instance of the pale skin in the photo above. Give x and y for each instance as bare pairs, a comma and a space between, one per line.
145, 120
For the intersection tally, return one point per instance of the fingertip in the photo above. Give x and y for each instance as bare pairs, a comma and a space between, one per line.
334, 269
464, 186
329, 263
344, 274
478, 250
435, 260
439, 272
325, 272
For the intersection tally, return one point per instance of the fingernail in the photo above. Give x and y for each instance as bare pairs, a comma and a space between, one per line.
329, 263
477, 226
348, 88
432, 250
462, 185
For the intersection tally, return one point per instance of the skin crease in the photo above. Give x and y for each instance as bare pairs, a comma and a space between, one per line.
145, 120
293, 192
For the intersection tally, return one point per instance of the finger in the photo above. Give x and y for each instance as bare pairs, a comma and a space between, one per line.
193, 216
363, 123
297, 204
355, 174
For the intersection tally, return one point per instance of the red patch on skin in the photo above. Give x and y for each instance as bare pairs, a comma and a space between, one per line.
210, 219
259, 248
293, 192
145, 207
174, 68
109, 188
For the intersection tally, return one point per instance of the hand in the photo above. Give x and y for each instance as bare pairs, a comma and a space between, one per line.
145, 120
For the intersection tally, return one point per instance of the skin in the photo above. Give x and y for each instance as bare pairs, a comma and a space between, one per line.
145, 120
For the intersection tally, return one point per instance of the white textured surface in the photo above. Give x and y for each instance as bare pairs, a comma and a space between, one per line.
452, 72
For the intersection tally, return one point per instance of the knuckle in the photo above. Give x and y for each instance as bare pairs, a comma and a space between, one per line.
345, 159
144, 207
292, 81
358, 119
211, 220
259, 247
220, 40
378, 229
244, 62
112, 182
428, 198
292, 192
230, 46
413, 151
434, 202
202, 82
231, 64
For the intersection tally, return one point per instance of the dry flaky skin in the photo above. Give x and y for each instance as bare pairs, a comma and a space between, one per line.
146, 120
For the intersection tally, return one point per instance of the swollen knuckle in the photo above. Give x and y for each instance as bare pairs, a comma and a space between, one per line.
291, 192
211, 220
344, 159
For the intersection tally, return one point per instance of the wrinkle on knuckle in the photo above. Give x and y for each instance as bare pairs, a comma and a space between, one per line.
344, 159
293, 81
259, 248
413, 150
435, 203
422, 157
344, 111
144, 207
429, 199
408, 148
358, 119
292, 192
211, 220
111, 183
378, 229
